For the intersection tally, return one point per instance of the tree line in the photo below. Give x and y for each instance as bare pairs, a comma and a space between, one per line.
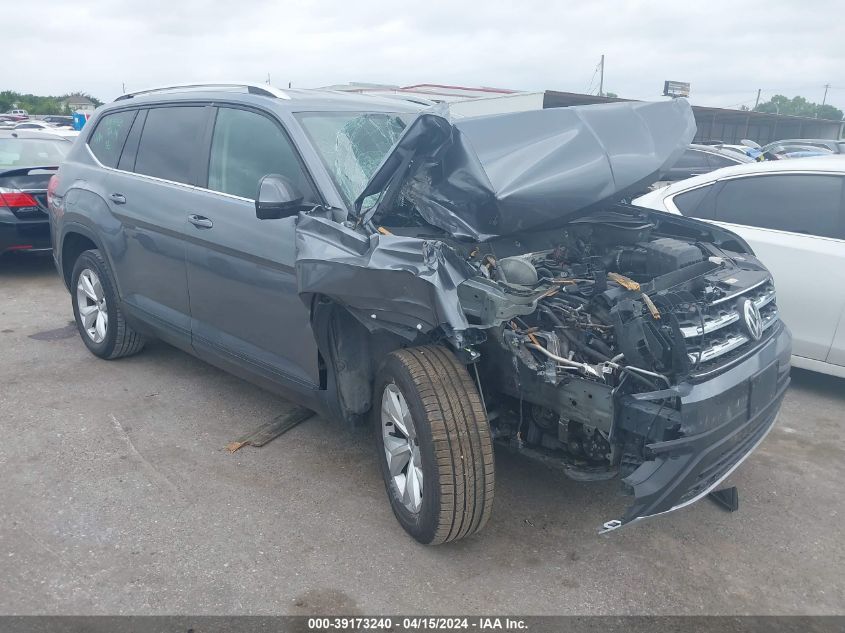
35, 104
799, 106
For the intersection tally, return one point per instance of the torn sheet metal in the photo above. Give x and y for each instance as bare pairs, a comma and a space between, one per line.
402, 284
483, 177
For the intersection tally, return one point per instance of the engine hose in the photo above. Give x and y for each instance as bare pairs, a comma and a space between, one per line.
578, 344
570, 364
596, 355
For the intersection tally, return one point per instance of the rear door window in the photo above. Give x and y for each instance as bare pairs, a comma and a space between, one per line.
799, 203
106, 142
171, 143
247, 146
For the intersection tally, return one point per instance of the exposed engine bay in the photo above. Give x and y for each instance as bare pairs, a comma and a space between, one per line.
610, 306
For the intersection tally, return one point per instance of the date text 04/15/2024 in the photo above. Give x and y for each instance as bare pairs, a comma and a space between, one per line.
422, 623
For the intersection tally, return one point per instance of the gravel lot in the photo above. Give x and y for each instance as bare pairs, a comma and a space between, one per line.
119, 498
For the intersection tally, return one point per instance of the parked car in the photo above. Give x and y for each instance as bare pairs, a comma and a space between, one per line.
791, 213
452, 282
792, 148
34, 125
701, 159
47, 128
820, 146
59, 121
27, 160
781, 152
18, 114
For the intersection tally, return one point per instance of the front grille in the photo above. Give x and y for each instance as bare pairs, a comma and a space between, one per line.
717, 332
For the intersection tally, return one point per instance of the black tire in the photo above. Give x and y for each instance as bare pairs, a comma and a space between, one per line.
455, 445
120, 339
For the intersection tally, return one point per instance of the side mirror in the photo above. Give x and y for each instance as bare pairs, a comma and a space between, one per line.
277, 198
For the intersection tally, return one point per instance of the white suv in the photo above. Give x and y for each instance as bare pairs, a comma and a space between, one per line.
792, 213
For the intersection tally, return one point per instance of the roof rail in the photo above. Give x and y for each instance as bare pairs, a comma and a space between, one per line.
255, 89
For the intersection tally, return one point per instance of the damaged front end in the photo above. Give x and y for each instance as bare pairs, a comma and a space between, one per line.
608, 340
621, 346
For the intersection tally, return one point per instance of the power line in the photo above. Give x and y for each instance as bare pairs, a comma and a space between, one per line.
733, 105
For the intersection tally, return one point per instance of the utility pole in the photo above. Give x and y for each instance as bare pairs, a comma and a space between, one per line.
123, 87
601, 78
758, 98
826, 88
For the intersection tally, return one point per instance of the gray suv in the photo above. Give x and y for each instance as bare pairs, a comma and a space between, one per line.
455, 282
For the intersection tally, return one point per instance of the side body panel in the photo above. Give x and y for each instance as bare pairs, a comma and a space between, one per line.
245, 307
243, 292
148, 249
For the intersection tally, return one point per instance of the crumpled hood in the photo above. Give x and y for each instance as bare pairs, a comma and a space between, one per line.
484, 177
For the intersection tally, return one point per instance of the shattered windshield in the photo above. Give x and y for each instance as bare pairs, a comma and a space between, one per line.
353, 144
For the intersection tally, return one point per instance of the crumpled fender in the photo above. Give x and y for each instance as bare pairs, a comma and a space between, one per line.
401, 284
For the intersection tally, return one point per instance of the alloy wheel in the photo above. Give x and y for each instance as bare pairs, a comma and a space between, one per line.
401, 448
91, 303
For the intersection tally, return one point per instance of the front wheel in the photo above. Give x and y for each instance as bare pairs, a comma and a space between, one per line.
434, 444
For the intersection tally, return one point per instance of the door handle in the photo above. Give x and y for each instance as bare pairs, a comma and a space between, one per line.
118, 198
200, 221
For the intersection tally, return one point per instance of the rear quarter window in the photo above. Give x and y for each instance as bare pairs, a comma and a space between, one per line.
689, 202
108, 138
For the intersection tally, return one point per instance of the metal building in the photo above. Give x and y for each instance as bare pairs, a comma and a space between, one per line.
714, 124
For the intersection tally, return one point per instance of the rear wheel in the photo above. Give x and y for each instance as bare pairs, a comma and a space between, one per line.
97, 310
434, 444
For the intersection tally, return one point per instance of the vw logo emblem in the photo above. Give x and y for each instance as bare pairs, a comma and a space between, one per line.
751, 317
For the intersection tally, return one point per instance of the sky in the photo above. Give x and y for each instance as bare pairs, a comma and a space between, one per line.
725, 49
